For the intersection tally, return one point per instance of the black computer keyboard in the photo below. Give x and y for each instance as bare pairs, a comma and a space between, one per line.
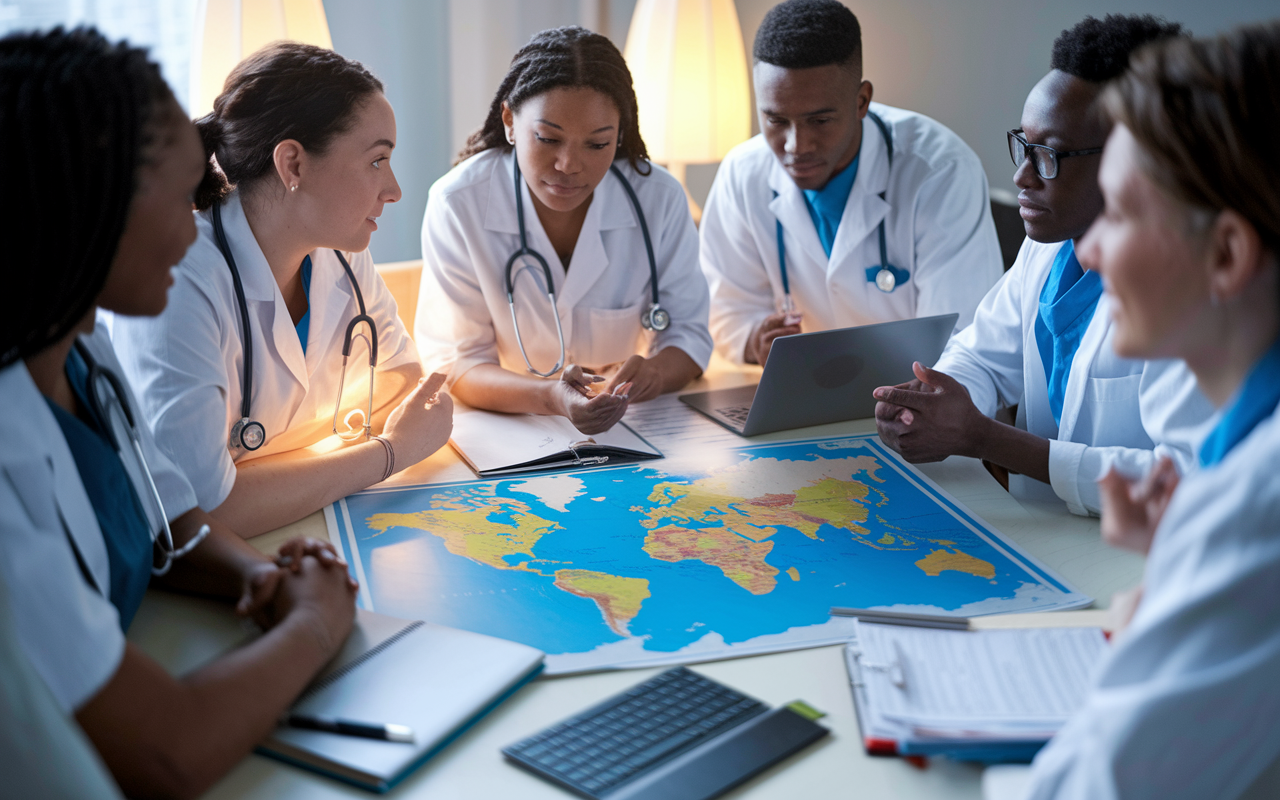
634, 732
735, 414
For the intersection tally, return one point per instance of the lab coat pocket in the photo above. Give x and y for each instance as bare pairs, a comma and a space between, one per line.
603, 336
1102, 391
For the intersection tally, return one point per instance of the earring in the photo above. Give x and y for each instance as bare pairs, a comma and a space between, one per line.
293, 188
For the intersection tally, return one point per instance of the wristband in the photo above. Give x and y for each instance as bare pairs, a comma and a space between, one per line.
391, 457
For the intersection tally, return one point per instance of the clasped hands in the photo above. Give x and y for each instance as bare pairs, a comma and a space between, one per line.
596, 401
303, 559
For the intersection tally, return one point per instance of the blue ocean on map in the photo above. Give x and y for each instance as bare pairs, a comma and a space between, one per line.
663, 561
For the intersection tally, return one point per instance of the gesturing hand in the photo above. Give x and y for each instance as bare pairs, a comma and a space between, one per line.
422, 423
638, 379
929, 418
589, 413
1132, 510
760, 340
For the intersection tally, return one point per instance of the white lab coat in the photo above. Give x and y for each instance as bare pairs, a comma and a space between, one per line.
938, 227
68, 629
469, 232
1186, 705
1117, 412
187, 363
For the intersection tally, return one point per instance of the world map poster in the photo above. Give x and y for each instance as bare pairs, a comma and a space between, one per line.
735, 552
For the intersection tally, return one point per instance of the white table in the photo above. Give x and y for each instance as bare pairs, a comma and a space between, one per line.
472, 767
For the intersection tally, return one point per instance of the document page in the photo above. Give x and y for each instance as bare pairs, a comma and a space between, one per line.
978, 680
491, 441
675, 428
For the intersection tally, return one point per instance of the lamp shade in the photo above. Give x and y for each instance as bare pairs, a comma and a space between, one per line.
690, 73
229, 30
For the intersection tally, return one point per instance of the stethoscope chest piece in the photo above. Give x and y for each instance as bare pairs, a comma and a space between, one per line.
885, 281
655, 319
248, 434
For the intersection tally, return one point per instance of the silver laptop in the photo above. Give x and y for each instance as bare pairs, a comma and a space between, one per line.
827, 376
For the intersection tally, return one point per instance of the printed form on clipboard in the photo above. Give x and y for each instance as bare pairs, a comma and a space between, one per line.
495, 445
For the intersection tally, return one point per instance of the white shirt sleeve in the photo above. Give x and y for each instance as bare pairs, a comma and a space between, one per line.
682, 289
957, 252
176, 368
986, 357
741, 295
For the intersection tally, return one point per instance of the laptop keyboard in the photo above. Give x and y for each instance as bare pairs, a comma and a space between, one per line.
634, 731
735, 414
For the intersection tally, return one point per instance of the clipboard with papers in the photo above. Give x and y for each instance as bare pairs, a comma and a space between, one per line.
496, 445
989, 696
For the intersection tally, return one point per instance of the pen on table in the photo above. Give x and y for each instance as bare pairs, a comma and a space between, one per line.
367, 730
903, 618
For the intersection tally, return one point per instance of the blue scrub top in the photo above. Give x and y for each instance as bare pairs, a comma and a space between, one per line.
826, 205
304, 325
1067, 303
1256, 400
124, 525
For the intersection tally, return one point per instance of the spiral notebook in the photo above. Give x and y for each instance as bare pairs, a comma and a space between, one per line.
494, 445
433, 679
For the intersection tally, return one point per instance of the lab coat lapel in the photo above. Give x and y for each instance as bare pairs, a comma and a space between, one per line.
789, 208
864, 210
1078, 379
269, 315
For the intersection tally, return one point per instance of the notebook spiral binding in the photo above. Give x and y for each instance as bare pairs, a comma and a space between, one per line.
346, 669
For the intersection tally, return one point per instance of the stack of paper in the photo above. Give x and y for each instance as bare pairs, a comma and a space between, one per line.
995, 695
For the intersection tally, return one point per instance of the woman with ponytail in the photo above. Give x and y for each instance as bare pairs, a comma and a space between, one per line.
91, 512
559, 165
256, 362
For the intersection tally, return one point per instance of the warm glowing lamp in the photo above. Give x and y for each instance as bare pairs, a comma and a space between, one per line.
229, 30
690, 73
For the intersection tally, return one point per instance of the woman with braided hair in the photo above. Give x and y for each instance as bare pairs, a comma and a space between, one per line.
555, 248
280, 378
90, 508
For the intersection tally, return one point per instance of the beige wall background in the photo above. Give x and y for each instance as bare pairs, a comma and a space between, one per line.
966, 63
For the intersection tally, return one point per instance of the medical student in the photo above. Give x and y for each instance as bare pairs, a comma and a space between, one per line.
259, 378
1189, 249
841, 211
90, 509
560, 268
1042, 337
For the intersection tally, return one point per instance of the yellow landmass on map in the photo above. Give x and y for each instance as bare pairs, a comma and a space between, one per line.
794, 573
618, 598
829, 501
939, 560
741, 560
467, 530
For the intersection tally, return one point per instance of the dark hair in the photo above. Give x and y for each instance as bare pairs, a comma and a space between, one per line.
1098, 50
568, 57
800, 34
77, 115
286, 90
1206, 116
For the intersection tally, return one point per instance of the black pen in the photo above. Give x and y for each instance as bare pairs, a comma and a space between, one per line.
903, 618
346, 727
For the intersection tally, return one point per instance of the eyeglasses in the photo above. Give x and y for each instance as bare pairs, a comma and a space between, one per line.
1044, 158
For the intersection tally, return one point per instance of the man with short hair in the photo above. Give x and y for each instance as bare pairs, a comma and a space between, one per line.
1041, 340
865, 213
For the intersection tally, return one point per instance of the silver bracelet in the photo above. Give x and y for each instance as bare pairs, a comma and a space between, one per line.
391, 457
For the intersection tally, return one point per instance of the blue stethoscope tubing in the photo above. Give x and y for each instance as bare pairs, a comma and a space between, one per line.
164, 537
654, 318
247, 433
885, 280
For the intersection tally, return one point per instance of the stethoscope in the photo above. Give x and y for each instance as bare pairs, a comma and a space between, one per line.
248, 433
106, 394
886, 281
655, 318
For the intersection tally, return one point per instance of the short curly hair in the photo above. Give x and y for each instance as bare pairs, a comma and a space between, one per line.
800, 34
1097, 50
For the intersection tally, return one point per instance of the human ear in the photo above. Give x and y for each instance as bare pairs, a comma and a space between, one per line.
509, 122
288, 156
1235, 255
865, 90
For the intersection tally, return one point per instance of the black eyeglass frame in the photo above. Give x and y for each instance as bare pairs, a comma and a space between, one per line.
1054, 155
